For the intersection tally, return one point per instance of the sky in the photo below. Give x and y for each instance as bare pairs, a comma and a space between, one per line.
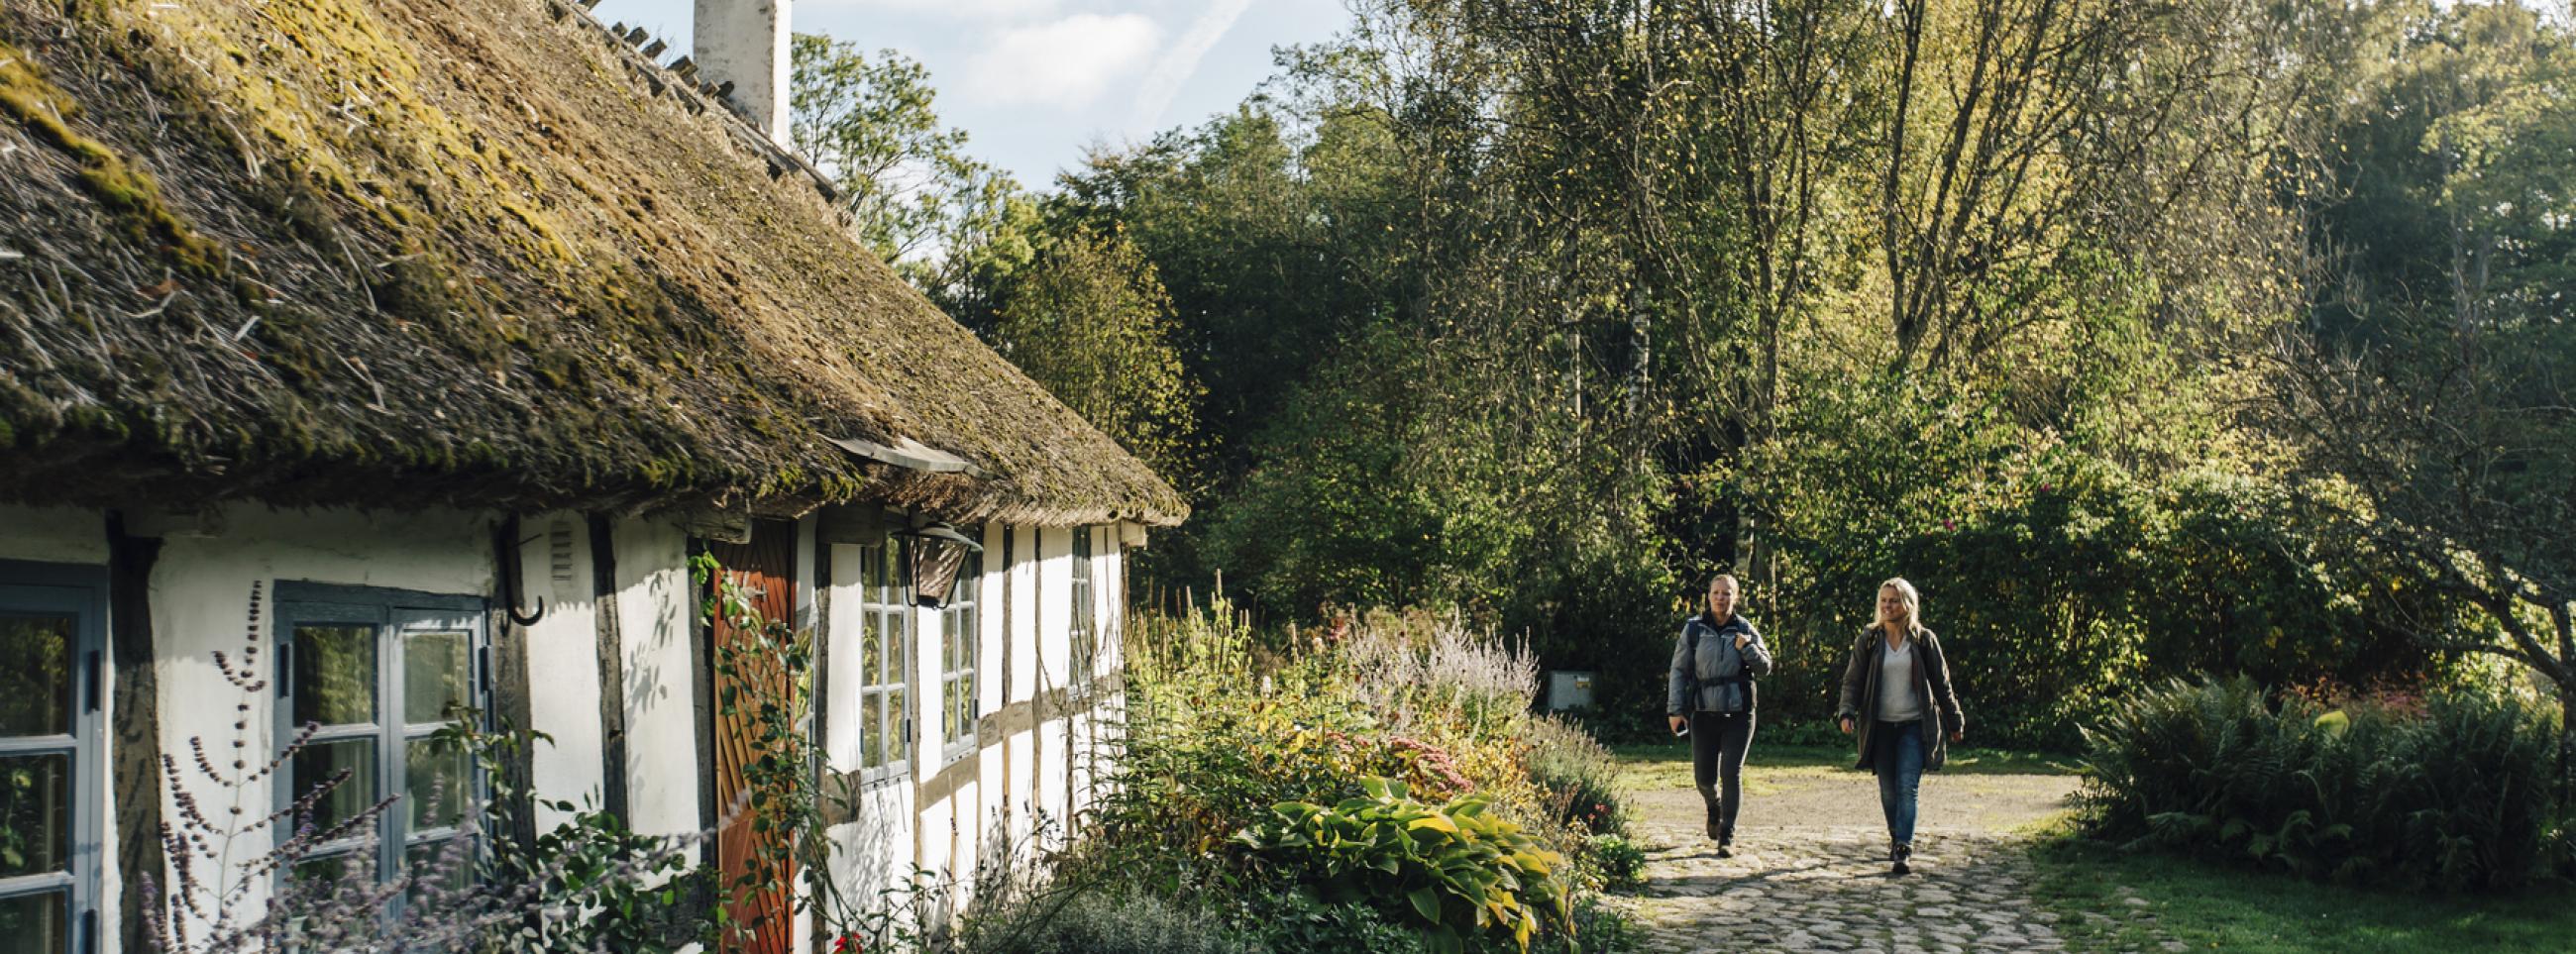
1037, 83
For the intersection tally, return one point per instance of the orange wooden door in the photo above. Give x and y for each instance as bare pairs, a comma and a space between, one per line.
765, 569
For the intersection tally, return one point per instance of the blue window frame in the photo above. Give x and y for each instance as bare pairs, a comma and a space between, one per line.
377, 673
53, 625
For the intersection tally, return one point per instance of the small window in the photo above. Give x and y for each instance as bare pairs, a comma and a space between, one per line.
958, 622
52, 621
378, 673
1084, 634
885, 661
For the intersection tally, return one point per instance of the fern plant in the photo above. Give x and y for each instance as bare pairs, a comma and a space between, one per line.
2454, 796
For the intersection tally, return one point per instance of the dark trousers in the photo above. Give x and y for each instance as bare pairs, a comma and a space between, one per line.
1718, 743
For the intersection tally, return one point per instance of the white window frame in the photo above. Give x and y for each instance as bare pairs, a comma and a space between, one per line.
885, 682
46, 589
395, 615
1082, 636
960, 638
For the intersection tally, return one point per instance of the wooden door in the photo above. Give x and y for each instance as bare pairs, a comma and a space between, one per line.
765, 569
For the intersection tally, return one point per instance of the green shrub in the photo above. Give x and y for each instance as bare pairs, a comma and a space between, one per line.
1296, 922
2456, 796
1455, 871
1577, 776
1623, 862
1105, 922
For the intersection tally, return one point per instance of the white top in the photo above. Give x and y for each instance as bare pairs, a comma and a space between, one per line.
1898, 699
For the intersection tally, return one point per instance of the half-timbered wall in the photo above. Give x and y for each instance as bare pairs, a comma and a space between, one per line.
612, 669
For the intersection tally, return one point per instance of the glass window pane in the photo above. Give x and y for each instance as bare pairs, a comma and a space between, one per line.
36, 674
438, 676
949, 723
335, 674
317, 762
439, 864
347, 863
35, 814
871, 665
871, 731
36, 922
898, 747
437, 782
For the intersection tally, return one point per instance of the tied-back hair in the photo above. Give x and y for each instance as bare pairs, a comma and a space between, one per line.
1913, 607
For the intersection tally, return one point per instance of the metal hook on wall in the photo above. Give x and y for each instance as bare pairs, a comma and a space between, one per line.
505, 544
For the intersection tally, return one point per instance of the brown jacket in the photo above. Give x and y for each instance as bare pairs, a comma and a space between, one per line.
1931, 678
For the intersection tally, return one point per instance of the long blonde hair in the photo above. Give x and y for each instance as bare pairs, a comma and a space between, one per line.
1913, 606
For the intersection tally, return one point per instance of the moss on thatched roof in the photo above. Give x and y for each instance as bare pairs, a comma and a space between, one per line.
395, 252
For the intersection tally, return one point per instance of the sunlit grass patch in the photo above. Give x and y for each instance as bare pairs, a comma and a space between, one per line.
2207, 907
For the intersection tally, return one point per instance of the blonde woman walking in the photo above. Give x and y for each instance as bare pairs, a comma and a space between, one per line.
1896, 696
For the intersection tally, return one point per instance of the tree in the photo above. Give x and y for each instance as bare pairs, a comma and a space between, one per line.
940, 216
1090, 321
2441, 389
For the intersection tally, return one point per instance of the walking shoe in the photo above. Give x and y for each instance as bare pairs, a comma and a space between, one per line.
1902, 853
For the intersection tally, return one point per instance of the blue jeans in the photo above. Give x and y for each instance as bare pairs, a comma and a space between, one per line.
1899, 763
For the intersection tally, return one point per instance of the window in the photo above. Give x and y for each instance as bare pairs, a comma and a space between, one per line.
885, 660
1084, 634
378, 672
52, 628
957, 622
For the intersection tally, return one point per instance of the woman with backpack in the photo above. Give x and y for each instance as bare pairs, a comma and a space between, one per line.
1896, 696
1711, 699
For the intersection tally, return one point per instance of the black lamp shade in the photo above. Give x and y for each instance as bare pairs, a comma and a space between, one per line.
937, 554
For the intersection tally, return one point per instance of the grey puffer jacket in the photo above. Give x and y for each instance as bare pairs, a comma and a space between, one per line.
1719, 665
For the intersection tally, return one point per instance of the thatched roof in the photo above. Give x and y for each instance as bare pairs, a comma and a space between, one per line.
391, 252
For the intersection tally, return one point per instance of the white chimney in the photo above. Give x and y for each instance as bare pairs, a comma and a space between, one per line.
744, 42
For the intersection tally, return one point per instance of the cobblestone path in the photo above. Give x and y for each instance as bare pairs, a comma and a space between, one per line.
1810, 871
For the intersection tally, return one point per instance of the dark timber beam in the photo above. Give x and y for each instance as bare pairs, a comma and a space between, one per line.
135, 763
612, 668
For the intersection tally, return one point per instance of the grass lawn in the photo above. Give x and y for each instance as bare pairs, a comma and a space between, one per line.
2216, 908
1669, 764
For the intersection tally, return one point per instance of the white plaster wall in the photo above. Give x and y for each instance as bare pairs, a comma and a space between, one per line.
53, 534
842, 663
563, 664
200, 595
1055, 648
871, 854
654, 605
929, 818
983, 805
1019, 747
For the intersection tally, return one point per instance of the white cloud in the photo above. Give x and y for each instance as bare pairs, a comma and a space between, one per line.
1067, 63
1181, 61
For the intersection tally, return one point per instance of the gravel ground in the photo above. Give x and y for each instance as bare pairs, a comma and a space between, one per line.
1810, 871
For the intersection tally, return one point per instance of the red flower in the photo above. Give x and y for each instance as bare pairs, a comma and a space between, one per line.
849, 944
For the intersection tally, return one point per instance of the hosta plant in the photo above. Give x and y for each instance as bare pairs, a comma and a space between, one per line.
1455, 871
